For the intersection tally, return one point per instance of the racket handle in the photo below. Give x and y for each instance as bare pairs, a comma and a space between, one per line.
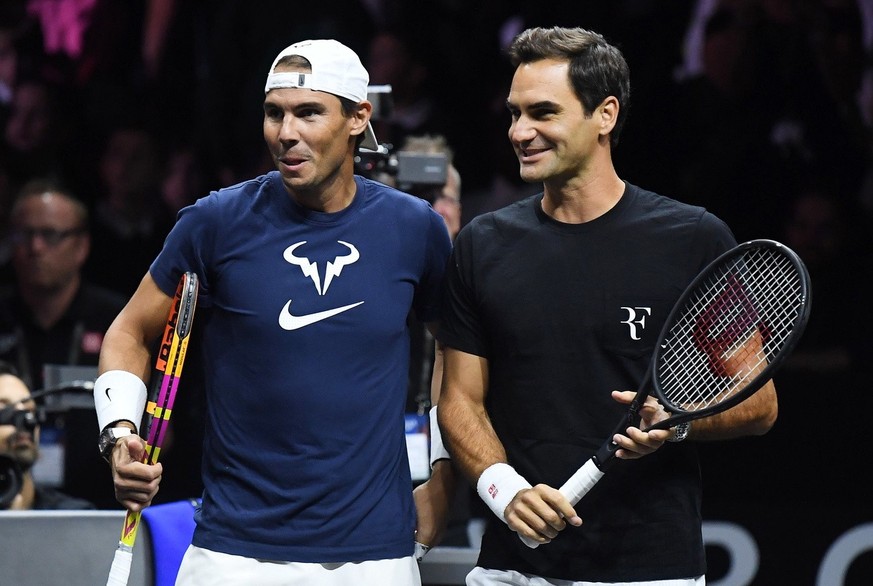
581, 482
573, 490
119, 572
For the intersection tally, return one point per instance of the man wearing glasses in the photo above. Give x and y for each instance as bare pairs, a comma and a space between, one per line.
50, 315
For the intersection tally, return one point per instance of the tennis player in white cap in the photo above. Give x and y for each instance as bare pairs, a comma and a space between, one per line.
307, 276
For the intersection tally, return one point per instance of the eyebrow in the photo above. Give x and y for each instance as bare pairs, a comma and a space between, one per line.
541, 105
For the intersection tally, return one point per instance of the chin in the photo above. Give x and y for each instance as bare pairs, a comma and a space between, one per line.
530, 175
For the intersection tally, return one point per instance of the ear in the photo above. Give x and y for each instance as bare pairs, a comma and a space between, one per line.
608, 112
361, 117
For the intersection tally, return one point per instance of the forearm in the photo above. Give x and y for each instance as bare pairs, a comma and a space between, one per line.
433, 502
754, 416
469, 435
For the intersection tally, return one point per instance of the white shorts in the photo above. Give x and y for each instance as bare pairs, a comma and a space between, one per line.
482, 577
203, 567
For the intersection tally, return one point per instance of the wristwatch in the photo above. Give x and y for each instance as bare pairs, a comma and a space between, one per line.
680, 432
109, 437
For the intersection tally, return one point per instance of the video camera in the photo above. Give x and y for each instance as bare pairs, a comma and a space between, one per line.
408, 169
11, 475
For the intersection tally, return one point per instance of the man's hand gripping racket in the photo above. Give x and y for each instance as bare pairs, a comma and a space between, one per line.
165, 383
725, 337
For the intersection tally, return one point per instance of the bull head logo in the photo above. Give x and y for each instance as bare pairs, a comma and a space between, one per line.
311, 270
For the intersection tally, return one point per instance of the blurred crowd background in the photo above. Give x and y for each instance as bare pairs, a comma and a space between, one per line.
760, 110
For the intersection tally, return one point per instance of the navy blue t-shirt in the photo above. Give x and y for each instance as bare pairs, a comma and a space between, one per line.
306, 355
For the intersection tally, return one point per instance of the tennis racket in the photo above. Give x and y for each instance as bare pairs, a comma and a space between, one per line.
168, 367
725, 337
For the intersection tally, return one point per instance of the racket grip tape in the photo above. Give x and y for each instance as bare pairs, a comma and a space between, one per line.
581, 482
576, 487
119, 572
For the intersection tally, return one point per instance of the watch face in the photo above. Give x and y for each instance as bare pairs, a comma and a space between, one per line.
108, 438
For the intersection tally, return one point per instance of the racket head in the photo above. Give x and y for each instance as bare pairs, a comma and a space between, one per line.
730, 330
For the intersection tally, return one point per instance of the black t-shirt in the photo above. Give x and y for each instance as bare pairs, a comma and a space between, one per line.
75, 339
565, 314
47, 498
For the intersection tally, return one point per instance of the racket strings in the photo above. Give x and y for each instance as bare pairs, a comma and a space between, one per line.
729, 330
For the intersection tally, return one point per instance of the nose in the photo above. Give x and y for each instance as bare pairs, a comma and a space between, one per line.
288, 132
520, 131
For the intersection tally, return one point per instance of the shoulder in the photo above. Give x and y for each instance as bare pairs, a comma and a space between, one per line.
687, 231
508, 220
669, 212
375, 192
658, 205
240, 194
394, 205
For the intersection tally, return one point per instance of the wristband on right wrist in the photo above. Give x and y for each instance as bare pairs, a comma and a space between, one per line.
119, 396
498, 485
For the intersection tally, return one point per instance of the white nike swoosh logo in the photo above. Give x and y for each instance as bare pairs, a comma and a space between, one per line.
295, 322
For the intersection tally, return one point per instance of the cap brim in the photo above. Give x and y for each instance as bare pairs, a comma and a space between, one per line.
370, 142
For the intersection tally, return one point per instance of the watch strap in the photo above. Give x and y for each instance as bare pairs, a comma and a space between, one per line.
680, 432
109, 437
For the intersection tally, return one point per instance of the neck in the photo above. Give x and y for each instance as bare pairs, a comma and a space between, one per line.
582, 199
332, 195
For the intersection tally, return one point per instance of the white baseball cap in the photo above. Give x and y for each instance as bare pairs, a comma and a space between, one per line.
336, 69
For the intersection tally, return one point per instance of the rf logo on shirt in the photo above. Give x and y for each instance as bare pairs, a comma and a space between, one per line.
636, 318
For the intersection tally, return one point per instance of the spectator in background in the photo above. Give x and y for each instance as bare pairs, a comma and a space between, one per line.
502, 184
184, 177
51, 315
722, 155
9, 24
240, 43
35, 136
130, 220
443, 194
828, 230
398, 60
769, 91
5, 246
19, 448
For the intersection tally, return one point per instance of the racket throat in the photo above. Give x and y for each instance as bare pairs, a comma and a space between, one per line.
605, 456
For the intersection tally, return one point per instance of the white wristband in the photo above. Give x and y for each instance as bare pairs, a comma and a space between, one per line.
119, 395
437, 449
498, 485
